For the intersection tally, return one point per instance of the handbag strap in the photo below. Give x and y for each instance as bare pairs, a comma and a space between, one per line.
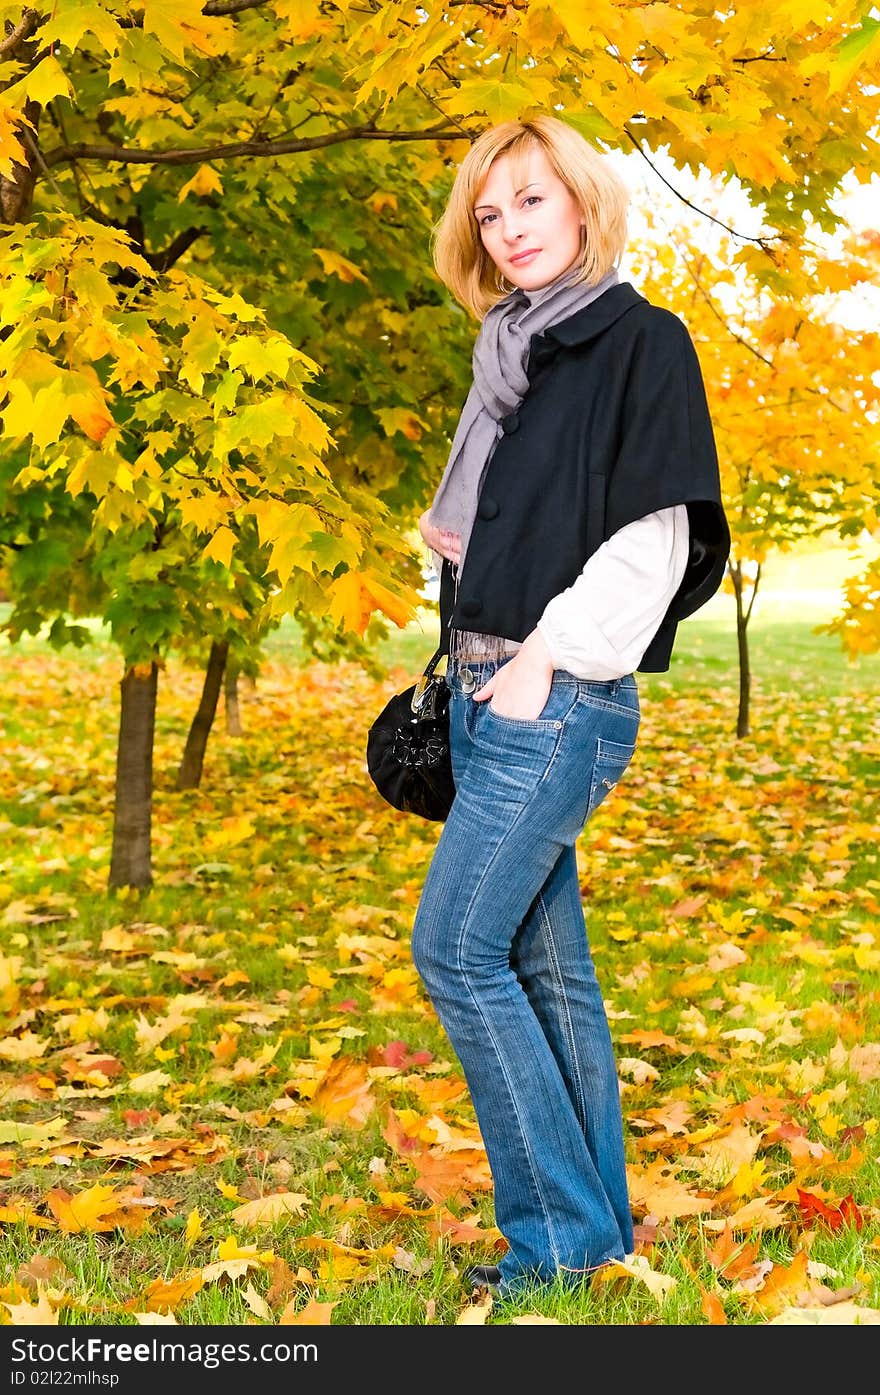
425, 684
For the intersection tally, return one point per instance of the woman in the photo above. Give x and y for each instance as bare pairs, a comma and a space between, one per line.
577, 521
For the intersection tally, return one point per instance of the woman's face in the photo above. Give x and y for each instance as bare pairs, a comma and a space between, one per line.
532, 232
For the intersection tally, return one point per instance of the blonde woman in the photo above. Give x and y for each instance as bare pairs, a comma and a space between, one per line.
578, 519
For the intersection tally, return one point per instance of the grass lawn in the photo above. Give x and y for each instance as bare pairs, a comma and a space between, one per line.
227, 1100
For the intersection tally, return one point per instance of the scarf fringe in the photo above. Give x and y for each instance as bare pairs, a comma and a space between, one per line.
471, 644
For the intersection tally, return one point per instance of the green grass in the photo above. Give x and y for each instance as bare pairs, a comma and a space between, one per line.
731, 889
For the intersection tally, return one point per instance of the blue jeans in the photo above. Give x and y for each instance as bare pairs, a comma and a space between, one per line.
500, 943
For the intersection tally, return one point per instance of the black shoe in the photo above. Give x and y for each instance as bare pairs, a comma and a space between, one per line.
482, 1276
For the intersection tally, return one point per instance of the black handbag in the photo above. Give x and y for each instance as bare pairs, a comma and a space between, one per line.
408, 754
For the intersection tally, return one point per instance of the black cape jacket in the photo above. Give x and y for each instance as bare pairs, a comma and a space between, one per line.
614, 425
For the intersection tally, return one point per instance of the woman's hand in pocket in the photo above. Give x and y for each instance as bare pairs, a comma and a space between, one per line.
521, 687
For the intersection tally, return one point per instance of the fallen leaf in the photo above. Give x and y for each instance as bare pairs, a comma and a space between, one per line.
475, 1314
840, 1314
634, 1267
257, 1303
266, 1209
39, 1314
313, 1314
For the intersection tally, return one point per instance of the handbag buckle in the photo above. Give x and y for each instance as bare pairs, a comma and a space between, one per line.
424, 694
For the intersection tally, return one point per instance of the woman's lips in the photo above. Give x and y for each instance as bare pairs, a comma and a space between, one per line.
522, 257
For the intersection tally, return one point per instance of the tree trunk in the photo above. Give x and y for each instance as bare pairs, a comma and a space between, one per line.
743, 615
130, 862
230, 700
190, 773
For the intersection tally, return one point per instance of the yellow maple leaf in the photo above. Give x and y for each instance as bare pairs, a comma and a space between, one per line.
206, 180
27, 1047
235, 1260
221, 546
22, 1213
349, 603
226, 1189
336, 265
94, 1209
635, 1267
45, 81
194, 1226
396, 607
266, 1209
39, 1314
12, 152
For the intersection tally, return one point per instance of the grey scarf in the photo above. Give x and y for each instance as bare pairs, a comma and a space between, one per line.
500, 355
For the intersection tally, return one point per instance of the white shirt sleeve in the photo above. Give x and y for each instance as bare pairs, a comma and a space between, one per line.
599, 627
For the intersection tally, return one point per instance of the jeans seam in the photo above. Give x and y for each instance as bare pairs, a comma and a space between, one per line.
499, 1054
619, 708
576, 1074
538, 723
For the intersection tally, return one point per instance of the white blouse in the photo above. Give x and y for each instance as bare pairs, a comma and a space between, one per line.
600, 626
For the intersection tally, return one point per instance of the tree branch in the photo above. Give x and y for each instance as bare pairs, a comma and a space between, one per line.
213, 7
23, 30
126, 155
761, 241
230, 7
163, 261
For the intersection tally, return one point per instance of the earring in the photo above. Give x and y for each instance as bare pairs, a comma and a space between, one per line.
503, 285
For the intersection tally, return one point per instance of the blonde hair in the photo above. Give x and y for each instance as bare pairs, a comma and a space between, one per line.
460, 259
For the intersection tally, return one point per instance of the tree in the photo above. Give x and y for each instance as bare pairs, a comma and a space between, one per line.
194, 423
218, 310
793, 394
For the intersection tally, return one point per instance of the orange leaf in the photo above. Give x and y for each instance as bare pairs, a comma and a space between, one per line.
443, 1177
398, 1140
92, 416
712, 1308
314, 1314
166, 1295
782, 1286
732, 1258
447, 1227
343, 1094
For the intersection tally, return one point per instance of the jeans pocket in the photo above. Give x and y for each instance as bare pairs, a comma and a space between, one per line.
561, 698
612, 759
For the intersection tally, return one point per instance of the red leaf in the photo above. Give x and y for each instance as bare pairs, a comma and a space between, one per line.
398, 1054
813, 1207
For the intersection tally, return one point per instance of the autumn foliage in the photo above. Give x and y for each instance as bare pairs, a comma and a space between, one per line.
228, 378
240, 1086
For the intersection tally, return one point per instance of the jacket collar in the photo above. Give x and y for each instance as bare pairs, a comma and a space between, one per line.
584, 324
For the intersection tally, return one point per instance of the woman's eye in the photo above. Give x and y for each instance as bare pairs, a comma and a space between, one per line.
490, 217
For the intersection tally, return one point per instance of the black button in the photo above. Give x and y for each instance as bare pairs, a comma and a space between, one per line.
510, 423
471, 607
487, 508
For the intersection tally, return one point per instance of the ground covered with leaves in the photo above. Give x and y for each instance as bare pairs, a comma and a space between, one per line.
227, 1100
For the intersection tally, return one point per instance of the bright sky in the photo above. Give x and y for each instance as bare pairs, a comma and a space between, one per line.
858, 204
823, 565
